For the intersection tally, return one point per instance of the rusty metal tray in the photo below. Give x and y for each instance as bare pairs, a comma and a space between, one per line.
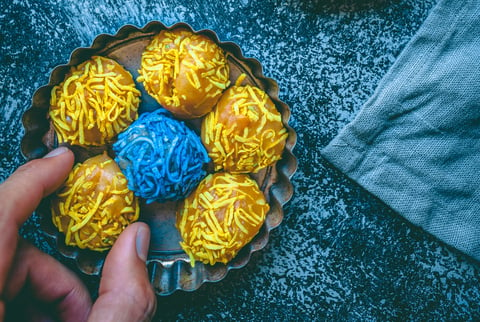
169, 267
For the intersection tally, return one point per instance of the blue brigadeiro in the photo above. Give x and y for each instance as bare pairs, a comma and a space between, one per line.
161, 157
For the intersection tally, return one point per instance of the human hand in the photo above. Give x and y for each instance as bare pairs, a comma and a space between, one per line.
43, 286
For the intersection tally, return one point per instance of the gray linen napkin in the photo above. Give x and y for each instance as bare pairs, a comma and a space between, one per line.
415, 143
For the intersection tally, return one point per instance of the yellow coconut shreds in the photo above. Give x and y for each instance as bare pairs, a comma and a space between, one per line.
244, 133
183, 70
94, 205
220, 217
96, 101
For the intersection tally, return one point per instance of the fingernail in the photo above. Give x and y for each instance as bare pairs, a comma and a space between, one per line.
143, 241
56, 152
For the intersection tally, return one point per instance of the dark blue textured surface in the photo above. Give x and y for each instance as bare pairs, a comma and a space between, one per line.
340, 254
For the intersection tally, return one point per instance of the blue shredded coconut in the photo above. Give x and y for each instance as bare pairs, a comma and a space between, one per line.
161, 157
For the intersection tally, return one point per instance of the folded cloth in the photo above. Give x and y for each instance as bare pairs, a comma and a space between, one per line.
416, 142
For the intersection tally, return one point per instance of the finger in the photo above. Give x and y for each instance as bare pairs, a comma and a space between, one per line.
25, 188
48, 283
20, 195
125, 292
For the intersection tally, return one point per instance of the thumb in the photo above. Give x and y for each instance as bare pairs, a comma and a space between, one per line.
125, 292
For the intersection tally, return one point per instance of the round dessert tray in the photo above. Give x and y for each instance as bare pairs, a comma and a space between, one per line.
169, 267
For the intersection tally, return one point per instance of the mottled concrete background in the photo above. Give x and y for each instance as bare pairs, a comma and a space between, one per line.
340, 254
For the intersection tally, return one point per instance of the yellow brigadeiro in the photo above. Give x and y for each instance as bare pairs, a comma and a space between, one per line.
94, 205
185, 72
221, 216
97, 100
244, 132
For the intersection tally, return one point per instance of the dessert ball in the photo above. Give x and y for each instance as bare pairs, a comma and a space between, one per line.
185, 72
220, 217
97, 100
94, 205
244, 132
162, 158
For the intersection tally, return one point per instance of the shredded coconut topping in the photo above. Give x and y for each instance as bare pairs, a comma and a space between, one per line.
96, 102
244, 132
94, 205
220, 217
183, 71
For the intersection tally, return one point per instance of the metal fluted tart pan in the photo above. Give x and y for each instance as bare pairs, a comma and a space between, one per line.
169, 267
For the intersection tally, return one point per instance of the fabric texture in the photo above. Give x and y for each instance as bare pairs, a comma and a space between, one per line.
415, 143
